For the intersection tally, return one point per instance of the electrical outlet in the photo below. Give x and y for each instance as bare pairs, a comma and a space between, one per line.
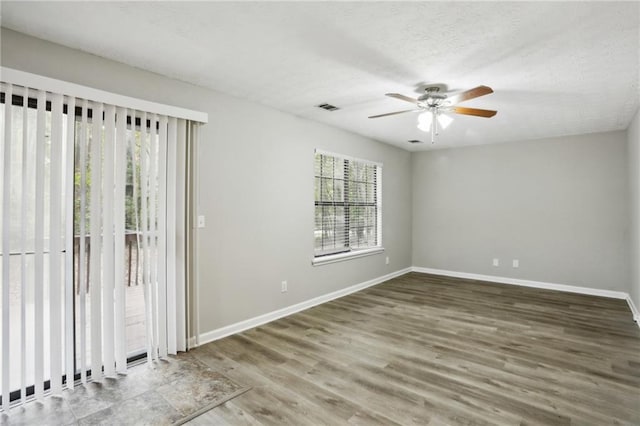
496, 262
283, 287
386, 261
201, 221
516, 263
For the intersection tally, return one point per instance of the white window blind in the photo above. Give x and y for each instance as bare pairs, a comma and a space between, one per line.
79, 178
347, 204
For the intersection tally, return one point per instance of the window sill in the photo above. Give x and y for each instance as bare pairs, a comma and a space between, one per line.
333, 258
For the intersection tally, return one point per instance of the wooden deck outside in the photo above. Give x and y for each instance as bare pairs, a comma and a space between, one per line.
134, 311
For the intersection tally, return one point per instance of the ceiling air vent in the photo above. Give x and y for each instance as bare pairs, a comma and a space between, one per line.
415, 141
328, 107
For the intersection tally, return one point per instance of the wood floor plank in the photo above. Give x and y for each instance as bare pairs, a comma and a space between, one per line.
426, 349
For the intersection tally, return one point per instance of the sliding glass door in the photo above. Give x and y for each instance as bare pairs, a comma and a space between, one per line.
95, 241
131, 255
48, 189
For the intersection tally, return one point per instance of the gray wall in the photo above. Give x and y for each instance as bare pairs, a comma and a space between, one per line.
256, 177
558, 205
633, 135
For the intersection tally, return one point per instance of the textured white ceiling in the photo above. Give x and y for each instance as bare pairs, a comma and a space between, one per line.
556, 68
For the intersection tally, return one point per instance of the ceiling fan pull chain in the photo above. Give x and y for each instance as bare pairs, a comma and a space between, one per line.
433, 129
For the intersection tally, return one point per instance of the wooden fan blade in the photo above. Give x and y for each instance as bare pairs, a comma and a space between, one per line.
486, 113
402, 97
476, 92
394, 113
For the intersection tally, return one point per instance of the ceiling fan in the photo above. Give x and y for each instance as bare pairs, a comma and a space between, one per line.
434, 105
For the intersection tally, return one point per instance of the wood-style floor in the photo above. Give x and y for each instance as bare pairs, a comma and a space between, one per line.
424, 349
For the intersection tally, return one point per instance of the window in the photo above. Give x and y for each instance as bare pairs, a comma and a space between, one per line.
347, 206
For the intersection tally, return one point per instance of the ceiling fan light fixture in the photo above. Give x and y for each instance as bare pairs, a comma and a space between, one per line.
444, 120
424, 121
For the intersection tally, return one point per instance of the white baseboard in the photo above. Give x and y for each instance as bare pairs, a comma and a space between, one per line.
634, 310
537, 284
191, 343
247, 324
526, 283
241, 326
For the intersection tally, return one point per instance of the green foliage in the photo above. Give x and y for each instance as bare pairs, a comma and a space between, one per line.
133, 192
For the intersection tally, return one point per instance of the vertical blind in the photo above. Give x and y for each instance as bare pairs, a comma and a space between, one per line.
347, 204
76, 174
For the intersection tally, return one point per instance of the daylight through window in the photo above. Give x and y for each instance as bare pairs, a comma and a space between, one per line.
347, 204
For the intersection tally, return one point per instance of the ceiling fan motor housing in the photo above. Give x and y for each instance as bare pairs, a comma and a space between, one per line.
431, 98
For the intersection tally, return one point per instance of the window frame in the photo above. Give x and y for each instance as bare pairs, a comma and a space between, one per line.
349, 251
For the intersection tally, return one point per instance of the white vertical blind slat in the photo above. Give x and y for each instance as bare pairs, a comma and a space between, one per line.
39, 248
191, 235
82, 262
144, 174
120, 160
180, 231
108, 240
194, 204
135, 158
162, 232
172, 136
152, 210
24, 279
55, 247
6, 249
95, 259
69, 239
